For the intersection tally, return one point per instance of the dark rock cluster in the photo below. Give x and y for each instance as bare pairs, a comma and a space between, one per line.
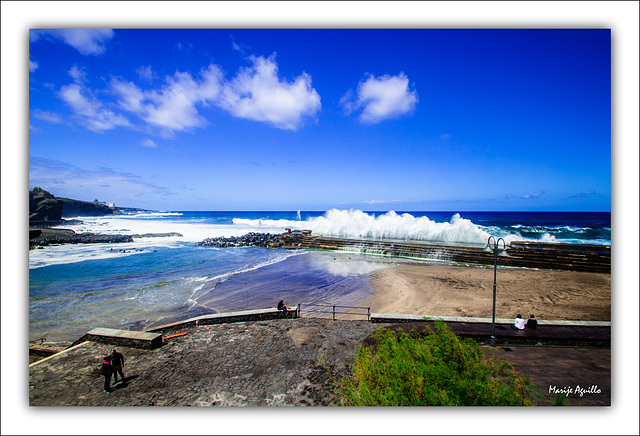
45, 236
58, 237
250, 239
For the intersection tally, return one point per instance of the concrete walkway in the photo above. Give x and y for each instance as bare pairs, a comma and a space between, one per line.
269, 363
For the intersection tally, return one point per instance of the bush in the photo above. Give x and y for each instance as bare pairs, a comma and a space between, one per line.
437, 369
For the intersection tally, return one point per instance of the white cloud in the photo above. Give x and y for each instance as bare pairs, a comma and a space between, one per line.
533, 195
242, 48
86, 41
390, 201
187, 49
381, 98
65, 180
145, 73
173, 107
50, 117
148, 143
79, 75
32, 66
585, 194
130, 97
89, 110
529, 196
257, 93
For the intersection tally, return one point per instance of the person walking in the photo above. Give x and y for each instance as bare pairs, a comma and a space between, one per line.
106, 371
117, 362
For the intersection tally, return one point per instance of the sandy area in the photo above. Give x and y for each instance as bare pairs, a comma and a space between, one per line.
429, 289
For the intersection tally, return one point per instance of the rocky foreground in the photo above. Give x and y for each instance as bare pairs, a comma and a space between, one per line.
286, 362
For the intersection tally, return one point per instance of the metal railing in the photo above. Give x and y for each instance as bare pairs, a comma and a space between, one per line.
333, 310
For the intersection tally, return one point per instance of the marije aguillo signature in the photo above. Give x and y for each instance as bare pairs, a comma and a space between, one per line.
569, 390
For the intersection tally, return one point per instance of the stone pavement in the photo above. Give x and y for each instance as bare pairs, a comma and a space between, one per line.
263, 363
287, 362
566, 369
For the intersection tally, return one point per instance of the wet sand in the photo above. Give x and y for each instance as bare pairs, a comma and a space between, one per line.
416, 288
439, 290
311, 277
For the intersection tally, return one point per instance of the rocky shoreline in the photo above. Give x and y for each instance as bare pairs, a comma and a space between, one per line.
42, 237
250, 239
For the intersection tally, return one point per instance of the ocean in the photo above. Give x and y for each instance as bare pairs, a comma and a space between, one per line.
155, 280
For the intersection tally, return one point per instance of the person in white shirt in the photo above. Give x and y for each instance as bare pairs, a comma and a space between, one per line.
518, 324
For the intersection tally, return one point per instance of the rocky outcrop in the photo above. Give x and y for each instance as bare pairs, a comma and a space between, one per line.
44, 208
47, 210
250, 239
43, 237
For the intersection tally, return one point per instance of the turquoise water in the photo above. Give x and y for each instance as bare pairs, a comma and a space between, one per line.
74, 288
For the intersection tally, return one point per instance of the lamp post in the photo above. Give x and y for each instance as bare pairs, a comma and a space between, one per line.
494, 245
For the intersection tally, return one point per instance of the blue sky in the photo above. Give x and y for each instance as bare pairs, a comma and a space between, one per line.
240, 119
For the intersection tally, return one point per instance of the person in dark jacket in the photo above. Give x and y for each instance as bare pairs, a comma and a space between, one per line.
106, 371
532, 323
117, 362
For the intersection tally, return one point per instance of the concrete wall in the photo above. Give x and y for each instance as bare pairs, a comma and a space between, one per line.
227, 317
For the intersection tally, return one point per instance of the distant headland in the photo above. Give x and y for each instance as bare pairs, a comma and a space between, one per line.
46, 210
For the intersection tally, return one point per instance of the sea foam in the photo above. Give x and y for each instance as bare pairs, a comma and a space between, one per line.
359, 224
337, 223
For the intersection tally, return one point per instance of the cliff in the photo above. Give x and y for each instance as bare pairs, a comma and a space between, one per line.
44, 208
73, 208
47, 210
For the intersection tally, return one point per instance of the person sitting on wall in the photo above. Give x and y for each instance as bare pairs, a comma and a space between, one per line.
518, 324
532, 323
282, 307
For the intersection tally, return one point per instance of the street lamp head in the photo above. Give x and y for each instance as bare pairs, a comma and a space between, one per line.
494, 244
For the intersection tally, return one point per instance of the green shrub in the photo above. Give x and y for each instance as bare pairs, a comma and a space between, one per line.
437, 369
560, 400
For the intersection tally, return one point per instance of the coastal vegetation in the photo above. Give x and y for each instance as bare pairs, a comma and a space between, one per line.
434, 369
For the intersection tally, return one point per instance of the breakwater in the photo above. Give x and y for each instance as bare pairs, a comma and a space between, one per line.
588, 258
250, 239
